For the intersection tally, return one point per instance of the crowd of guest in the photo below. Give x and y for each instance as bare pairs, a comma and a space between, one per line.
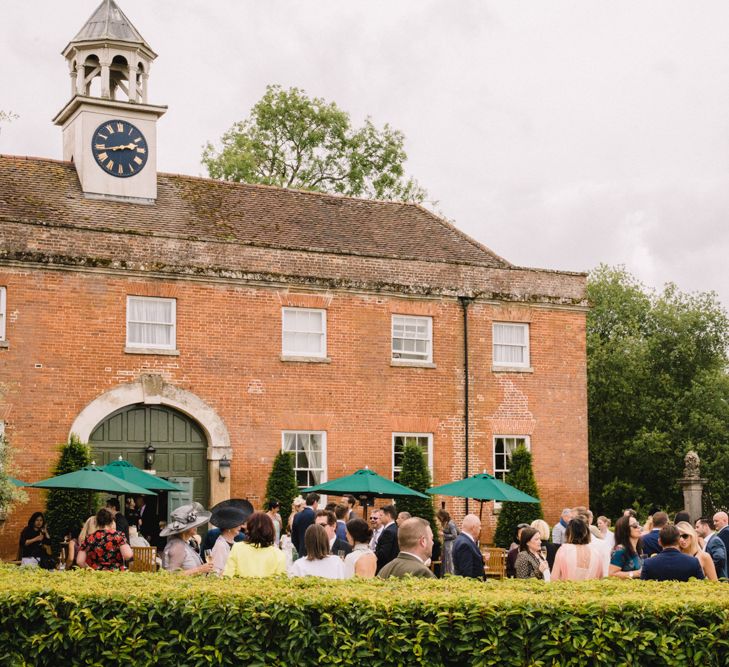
334, 542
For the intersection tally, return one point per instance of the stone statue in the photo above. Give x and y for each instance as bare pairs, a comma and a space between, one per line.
691, 465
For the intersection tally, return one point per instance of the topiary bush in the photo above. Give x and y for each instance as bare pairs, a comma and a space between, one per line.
282, 485
416, 475
66, 509
520, 476
88, 618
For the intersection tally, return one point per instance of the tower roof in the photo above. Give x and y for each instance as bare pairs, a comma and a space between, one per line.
109, 22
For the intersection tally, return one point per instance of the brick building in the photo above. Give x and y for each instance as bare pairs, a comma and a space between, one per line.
216, 322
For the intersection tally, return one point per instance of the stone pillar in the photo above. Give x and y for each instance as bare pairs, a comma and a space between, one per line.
145, 76
692, 485
80, 80
692, 492
106, 79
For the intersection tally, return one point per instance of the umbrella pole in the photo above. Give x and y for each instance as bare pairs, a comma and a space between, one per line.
480, 512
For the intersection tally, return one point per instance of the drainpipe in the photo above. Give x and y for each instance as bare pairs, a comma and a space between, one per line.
465, 302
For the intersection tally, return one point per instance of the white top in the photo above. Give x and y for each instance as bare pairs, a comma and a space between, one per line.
221, 551
330, 567
350, 560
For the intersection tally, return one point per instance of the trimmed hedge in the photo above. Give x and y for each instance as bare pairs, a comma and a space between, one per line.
89, 618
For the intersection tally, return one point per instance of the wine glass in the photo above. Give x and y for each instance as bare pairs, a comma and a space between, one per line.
208, 555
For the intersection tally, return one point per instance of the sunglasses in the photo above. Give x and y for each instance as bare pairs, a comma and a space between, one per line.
635, 525
683, 536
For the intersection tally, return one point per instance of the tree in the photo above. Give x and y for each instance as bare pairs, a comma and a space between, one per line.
282, 485
7, 117
9, 493
520, 476
657, 387
291, 140
68, 509
416, 475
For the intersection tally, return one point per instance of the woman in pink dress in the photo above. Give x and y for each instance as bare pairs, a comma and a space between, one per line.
576, 560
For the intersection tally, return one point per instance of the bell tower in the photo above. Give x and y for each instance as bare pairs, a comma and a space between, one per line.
109, 128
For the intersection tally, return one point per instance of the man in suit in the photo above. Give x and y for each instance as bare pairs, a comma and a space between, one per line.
122, 525
148, 521
467, 557
302, 521
670, 564
351, 504
713, 545
328, 521
415, 538
376, 526
387, 546
721, 525
561, 526
651, 545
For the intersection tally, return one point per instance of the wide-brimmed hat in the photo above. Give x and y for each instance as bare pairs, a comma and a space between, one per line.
185, 517
228, 517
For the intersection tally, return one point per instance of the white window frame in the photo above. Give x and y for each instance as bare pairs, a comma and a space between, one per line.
323, 469
526, 362
407, 434
396, 355
3, 311
322, 353
527, 444
173, 325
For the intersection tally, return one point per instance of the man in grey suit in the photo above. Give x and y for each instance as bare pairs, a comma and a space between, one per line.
415, 539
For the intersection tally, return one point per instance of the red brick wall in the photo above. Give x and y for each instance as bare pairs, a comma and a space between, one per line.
72, 324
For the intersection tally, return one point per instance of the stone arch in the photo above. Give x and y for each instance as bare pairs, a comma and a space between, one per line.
153, 390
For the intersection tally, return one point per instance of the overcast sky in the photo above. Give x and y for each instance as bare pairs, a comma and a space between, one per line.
560, 134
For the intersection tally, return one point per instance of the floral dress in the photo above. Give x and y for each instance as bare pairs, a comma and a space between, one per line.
103, 550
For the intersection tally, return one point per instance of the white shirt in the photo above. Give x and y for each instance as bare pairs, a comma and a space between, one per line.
707, 539
375, 536
331, 567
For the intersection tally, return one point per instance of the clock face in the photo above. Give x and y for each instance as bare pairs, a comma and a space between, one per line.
119, 148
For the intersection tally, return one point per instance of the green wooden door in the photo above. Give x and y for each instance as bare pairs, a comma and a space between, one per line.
179, 441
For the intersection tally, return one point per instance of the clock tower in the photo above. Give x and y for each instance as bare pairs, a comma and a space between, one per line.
109, 128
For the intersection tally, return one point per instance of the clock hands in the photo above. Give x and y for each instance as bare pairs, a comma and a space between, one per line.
123, 147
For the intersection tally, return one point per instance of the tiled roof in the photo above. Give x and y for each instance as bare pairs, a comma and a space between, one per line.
109, 22
47, 192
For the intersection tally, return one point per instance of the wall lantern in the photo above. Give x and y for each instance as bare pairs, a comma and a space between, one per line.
149, 453
224, 468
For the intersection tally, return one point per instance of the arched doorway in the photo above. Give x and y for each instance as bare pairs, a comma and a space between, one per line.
180, 444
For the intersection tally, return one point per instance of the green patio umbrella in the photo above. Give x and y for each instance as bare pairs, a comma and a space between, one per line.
365, 483
92, 478
17, 482
483, 487
130, 473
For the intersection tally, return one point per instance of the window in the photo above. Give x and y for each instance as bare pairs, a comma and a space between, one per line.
504, 446
399, 440
304, 332
412, 338
151, 322
511, 345
2, 313
309, 449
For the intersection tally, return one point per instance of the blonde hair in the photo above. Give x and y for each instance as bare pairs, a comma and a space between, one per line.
542, 527
687, 529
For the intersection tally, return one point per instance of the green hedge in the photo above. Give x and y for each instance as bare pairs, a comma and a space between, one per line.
88, 618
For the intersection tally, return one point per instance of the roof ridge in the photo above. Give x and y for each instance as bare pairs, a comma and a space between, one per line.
448, 225
315, 193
